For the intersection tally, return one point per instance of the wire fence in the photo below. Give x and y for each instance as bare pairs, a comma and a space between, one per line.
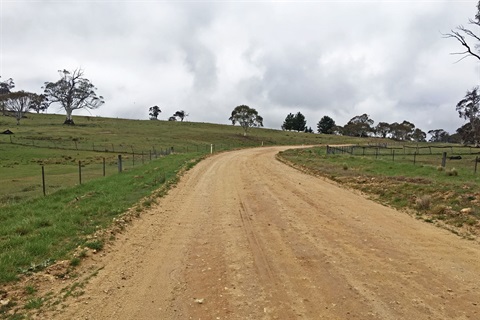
66, 163
123, 148
452, 156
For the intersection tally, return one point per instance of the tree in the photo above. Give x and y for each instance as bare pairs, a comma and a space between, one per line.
382, 129
419, 136
172, 118
5, 87
181, 114
18, 103
299, 122
308, 130
288, 122
326, 125
359, 126
247, 117
402, 131
465, 132
438, 135
39, 103
469, 109
154, 112
295, 122
462, 34
73, 92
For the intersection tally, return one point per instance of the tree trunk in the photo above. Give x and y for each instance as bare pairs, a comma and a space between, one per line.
69, 120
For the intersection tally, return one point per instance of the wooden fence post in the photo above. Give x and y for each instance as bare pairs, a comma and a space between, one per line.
43, 181
119, 163
80, 172
476, 163
444, 159
104, 166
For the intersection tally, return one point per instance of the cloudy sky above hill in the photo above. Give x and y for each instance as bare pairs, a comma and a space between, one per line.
337, 58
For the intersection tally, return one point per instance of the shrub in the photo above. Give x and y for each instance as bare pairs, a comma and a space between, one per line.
95, 245
345, 166
452, 172
423, 202
439, 210
439, 168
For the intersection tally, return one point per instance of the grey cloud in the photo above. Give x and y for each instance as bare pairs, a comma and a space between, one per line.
386, 59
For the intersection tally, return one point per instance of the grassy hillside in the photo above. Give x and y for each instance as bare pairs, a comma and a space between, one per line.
43, 140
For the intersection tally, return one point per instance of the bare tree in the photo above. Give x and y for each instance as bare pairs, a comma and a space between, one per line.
463, 35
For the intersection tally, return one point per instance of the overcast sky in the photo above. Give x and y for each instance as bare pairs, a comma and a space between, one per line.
337, 58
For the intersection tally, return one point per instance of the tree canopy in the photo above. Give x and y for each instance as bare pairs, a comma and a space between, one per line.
359, 126
39, 103
326, 125
469, 109
18, 103
181, 114
154, 112
295, 122
247, 118
72, 92
438, 135
5, 87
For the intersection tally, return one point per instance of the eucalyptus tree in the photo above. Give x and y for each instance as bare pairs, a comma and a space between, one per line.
5, 88
154, 112
18, 103
247, 118
469, 109
72, 92
181, 114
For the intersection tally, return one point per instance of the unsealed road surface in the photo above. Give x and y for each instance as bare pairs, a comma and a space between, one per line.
244, 236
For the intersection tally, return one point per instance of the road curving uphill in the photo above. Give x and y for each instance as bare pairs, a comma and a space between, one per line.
244, 236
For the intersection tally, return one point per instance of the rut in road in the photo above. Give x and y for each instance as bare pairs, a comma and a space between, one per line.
244, 236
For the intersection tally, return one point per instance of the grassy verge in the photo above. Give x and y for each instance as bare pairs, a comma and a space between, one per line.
35, 233
447, 196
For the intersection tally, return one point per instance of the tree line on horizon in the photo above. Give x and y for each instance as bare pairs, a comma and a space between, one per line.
363, 126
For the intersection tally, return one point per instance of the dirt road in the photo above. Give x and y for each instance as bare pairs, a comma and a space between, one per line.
244, 236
